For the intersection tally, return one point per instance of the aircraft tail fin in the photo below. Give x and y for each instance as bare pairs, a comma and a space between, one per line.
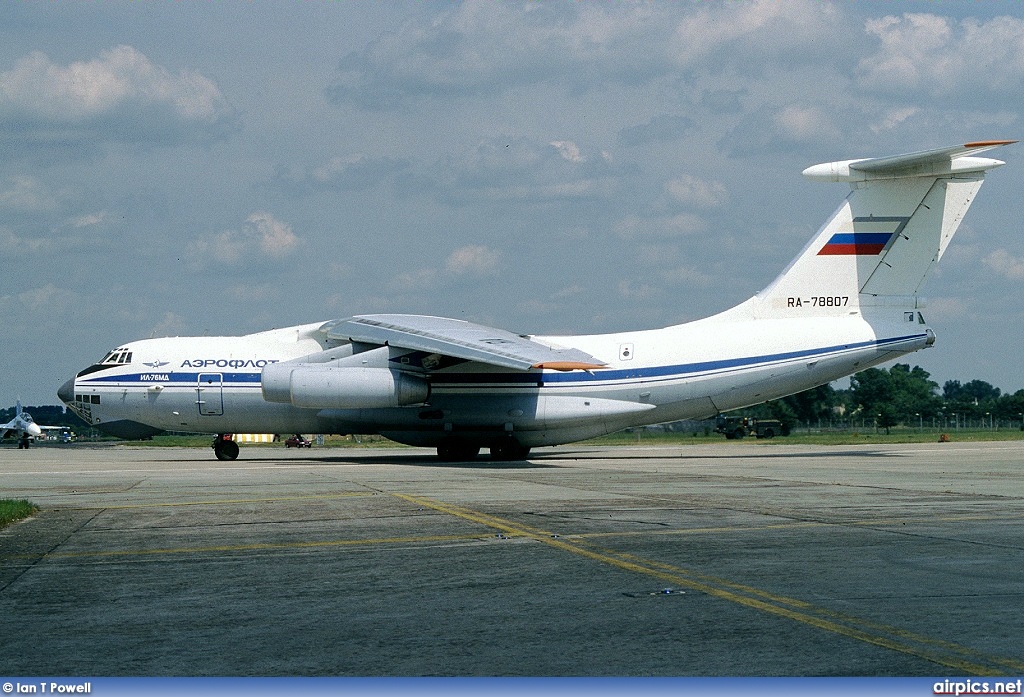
879, 246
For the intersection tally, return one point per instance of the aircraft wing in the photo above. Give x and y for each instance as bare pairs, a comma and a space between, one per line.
459, 339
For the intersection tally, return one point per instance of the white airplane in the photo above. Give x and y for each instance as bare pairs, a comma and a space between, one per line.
22, 426
848, 301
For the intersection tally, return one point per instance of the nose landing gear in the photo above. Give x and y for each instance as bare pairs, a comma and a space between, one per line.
224, 447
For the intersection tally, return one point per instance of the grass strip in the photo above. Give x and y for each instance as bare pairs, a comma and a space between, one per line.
12, 511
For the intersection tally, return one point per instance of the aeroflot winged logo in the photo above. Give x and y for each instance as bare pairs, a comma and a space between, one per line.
869, 236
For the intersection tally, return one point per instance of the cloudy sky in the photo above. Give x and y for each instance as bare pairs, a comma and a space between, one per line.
192, 168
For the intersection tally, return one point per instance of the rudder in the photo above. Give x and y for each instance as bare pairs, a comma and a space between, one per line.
879, 246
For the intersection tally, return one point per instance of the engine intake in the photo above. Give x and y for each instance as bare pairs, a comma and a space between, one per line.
314, 386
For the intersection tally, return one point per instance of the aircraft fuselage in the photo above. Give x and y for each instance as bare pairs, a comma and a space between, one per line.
690, 371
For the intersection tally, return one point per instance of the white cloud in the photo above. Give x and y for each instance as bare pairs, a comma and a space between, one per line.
255, 292
688, 275
119, 96
88, 220
894, 117
11, 244
355, 172
48, 298
473, 259
170, 324
468, 261
694, 191
412, 281
520, 169
946, 310
761, 28
276, 238
120, 76
261, 235
805, 123
637, 228
27, 193
633, 291
485, 48
938, 56
568, 150
1005, 264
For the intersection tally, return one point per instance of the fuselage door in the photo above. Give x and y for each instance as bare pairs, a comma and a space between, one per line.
210, 394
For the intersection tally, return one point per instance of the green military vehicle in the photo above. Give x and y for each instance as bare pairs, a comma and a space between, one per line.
734, 427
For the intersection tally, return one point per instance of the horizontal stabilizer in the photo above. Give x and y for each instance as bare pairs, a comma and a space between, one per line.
957, 159
459, 339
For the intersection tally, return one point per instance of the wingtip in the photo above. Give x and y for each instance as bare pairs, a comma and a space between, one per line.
988, 143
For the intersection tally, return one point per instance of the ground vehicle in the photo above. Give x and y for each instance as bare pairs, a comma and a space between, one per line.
739, 426
298, 441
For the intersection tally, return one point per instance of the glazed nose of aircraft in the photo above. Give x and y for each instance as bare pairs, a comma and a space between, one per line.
66, 393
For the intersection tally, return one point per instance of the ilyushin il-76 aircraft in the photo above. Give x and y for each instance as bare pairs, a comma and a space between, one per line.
848, 301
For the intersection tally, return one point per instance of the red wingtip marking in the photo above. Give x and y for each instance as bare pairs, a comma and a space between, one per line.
569, 365
988, 143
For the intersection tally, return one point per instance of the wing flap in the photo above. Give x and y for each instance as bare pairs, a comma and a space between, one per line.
459, 339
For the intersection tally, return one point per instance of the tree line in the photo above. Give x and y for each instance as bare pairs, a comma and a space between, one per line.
900, 395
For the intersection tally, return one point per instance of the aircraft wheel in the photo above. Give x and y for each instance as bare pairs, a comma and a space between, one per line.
509, 450
225, 449
454, 450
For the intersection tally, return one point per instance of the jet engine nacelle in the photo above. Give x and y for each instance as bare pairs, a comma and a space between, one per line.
313, 386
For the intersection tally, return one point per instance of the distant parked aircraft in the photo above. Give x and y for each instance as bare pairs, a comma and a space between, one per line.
23, 426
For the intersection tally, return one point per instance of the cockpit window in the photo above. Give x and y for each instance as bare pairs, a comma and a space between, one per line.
118, 356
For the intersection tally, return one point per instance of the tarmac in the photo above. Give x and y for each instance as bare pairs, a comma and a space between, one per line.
733, 559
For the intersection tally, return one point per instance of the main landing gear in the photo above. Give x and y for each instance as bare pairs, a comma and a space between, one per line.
509, 449
504, 450
224, 447
456, 450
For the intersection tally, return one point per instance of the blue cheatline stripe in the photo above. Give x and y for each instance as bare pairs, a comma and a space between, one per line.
667, 371
155, 377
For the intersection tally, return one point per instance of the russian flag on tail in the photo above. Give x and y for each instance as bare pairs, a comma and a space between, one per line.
870, 235
856, 243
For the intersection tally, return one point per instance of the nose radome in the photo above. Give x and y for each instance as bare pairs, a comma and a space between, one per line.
66, 393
